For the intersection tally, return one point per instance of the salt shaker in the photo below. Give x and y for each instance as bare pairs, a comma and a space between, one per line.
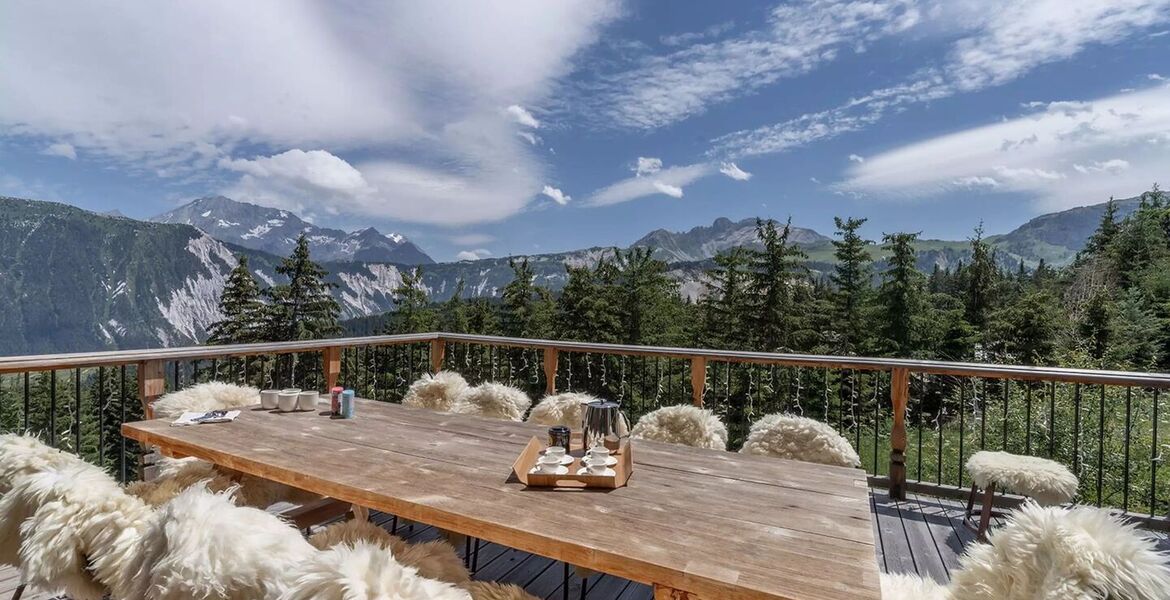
347, 404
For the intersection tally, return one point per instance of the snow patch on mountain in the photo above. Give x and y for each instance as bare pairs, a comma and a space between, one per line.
194, 306
361, 297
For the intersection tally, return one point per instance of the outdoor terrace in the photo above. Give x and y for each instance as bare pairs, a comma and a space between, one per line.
913, 422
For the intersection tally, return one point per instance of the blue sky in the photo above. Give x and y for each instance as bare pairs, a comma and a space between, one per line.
532, 125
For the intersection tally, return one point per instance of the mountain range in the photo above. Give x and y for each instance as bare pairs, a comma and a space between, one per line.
275, 231
74, 280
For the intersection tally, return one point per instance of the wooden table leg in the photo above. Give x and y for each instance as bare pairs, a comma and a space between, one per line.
662, 592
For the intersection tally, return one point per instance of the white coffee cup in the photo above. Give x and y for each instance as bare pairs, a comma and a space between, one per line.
595, 465
286, 401
307, 400
600, 452
555, 451
269, 399
548, 464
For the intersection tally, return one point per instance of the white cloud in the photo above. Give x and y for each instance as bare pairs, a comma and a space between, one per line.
522, 116
668, 181
713, 31
673, 191
529, 137
62, 149
556, 195
415, 88
994, 42
1114, 146
856, 158
477, 254
1155, 77
733, 171
647, 166
798, 38
470, 239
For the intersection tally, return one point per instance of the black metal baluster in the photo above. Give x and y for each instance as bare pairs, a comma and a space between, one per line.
919, 419
983, 417
53, 408
1077, 429
26, 402
1100, 444
175, 384
77, 411
1125, 473
938, 440
853, 409
1028, 418
1006, 394
876, 423
962, 427
122, 409
215, 369
1052, 419
377, 372
1154, 460
101, 404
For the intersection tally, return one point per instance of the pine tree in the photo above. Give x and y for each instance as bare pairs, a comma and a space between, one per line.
1137, 333
1025, 331
1094, 326
583, 312
777, 271
981, 280
646, 298
1106, 230
725, 301
413, 313
453, 317
518, 298
482, 318
900, 294
302, 309
852, 277
242, 310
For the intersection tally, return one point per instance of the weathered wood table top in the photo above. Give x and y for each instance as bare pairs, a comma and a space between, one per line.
697, 524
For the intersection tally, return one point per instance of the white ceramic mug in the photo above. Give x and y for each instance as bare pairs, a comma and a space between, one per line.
548, 464
308, 400
600, 452
596, 465
269, 399
555, 451
286, 401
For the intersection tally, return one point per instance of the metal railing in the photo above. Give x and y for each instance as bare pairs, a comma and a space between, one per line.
913, 422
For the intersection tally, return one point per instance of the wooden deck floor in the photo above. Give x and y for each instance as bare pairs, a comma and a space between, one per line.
923, 535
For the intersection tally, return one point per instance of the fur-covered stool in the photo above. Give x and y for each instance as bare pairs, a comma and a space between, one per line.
1045, 481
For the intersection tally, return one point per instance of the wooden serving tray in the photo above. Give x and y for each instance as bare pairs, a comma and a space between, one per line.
528, 457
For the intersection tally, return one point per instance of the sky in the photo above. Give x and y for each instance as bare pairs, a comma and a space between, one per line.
494, 128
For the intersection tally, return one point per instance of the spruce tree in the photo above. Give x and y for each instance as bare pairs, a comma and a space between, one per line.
482, 317
1106, 230
242, 310
302, 309
852, 278
1025, 331
777, 271
900, 294
981, 280
518, 298
1094, 326
726, 322
453, 317
412, 313
646, 298
583, 311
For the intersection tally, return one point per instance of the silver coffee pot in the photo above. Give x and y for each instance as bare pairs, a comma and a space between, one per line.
604, 425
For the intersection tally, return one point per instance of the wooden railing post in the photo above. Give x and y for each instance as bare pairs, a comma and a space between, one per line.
152, 383
550, 371
698, 379
331, 362
438, 353
899, 396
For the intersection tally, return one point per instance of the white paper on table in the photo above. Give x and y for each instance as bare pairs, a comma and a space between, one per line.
214, 416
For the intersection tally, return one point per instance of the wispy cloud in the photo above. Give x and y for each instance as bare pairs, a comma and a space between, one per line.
556, 195
522, 116
690, 37
62, 149
798, 38
1113, 146
477, 254
669, 181
733, 171
998, 43
647, 166
856, 158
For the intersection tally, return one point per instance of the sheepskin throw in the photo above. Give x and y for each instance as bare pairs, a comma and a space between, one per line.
213, 395
436, 392
562, 409
433, 560
685, 425
493, 401
207, 547
490, 590
365, 571
911, 587
25, 454
1053, 552
1045, 481
799, 438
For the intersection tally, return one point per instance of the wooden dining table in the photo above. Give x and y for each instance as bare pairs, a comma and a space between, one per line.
695, 524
